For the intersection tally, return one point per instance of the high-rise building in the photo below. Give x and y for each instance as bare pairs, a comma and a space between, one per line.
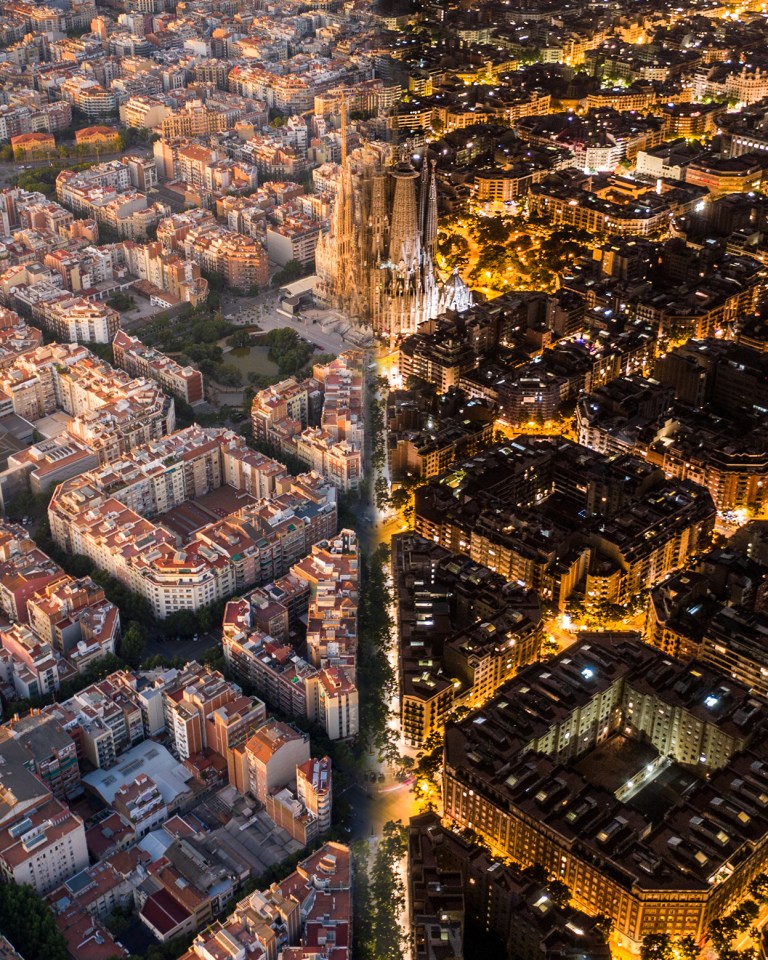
377, 262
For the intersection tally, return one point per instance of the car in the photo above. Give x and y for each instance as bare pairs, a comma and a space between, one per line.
196, 637
372, 778
381, 778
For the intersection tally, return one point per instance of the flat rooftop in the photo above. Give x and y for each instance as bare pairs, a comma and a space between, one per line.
150, 758
53, 425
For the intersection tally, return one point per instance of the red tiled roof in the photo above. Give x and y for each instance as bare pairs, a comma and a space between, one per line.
163, 913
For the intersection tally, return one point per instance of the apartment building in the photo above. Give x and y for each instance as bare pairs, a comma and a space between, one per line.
240, 259
314, 790
106, 515
650, 530
202, 709
75, 617
50, 752
131, 355
76, 320
333, 701
228, 727
273, 752
522, 773
318, 420
30, 668
141, 804
166, 271
293, 238
42, 843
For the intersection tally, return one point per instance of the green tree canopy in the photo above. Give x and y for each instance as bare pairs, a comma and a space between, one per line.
28, 923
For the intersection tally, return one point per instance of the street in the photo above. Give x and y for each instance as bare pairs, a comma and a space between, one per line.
186, 647
373, 805
9, 172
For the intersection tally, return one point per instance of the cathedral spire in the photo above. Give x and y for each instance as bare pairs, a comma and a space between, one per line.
376, 262
430, 223
343, 128
404, 239
423, 194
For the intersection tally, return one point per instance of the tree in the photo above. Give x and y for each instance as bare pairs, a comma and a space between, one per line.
388, 894
492, 230
290, 272
604, 925
133, 644
132, 606
758, 888
288, 350
152, 663
744, 914
382, 492
400, 498
213, 657
656, 946
722, 930
181, 623
687, 948
228, 375
559, 892
28, 923
121, 301
240, 338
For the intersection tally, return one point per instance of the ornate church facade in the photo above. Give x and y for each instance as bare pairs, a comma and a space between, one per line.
376, 264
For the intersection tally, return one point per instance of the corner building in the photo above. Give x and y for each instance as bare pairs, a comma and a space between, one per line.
573, 764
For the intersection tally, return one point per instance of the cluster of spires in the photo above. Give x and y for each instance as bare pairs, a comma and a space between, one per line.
376, 264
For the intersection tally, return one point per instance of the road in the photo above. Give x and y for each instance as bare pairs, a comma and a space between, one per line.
9, 172
74, 161
374, 804
187, 647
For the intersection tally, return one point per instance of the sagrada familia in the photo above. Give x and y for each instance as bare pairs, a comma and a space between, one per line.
376, 264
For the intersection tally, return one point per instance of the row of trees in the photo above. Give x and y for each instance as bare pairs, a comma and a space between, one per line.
375, 677
721, 932
379, 896
662, 946
376, 414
